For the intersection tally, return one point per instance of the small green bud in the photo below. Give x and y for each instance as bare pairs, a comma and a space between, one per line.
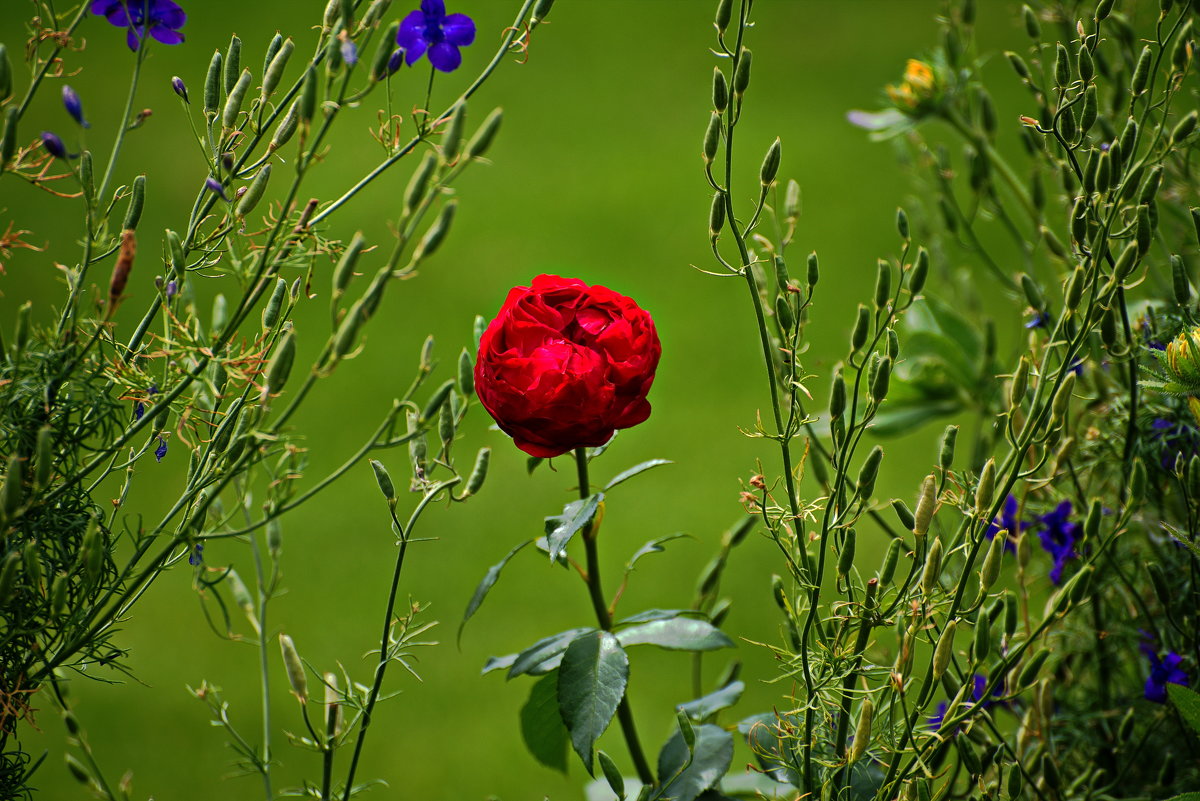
1018, 64
414, 193
439, 397
12, 493
712, 137
814, 269
879, 386
883, 284
58, 595
280, 365
1184, 128
137, 200
1029, 673
1126, 261
466, 374
837, 395
1032, 28
907, 521
344, 270
1062, 398
1033, 295
716, 214
308, 95
33, 564
720, 92
5, 73
1179, 278
479, 471
273, 48
724, 15
8, 575
869, 472
1062, 66
1137, 481
77, 770
990, 571
1020, 383
436, 234
1087, 69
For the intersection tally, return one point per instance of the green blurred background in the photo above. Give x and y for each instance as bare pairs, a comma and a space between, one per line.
596, 174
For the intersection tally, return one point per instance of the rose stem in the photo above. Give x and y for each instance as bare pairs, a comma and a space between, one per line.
624, 713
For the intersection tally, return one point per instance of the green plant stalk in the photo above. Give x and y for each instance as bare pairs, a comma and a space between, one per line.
264, 596
600, 607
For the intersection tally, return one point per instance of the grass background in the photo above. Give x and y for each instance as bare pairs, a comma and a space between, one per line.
596, 174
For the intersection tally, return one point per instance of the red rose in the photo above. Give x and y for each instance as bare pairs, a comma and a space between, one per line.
565, 364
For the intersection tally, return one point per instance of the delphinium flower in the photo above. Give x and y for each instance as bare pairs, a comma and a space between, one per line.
1040, 319
349, 53
197, 554
160, 19
179, 87
54, 145
980, 685
1059, 536
1163, 671
431, 30
161, 450
74, 105
1007, 522
214, 186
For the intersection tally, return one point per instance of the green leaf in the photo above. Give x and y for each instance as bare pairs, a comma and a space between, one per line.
591, 683
532, 463
676, 634
1187, 702
706, 705
542, 726
575, 516
685, 776
498, 663
633, 471
895, 419
1185, 797
612, 774
545, 654
489, 580
653, 546
658, 614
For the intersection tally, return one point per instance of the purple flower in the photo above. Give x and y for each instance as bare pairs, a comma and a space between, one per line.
161, 450
74, 105
197, 554
214, 186
980, 683
1007, 521
431, 29
139, 410
172, 288
1173, 439
1040, 319
54, 146
349, 53
1059, 535
395, 60
161, 19
179, 87
1162, 672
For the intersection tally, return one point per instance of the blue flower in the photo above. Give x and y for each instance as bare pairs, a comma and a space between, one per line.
430, 29
349, 53
1173, 439
395, 60
980, 684
1007, 522
139, 410
1040, 319
74, 105
1059, 535
1163, 671
54, 145
161, 19
179, 87
214, 186
161, 450
197, 554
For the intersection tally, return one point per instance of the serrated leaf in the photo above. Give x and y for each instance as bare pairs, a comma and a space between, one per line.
498, 663
575, 516
591, 683
676, 634
685, 776
1187, 702
653, 546
545, 654
542, 727
706, 705
635, 470
489, 580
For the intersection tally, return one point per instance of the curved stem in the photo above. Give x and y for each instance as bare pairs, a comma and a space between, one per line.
624, 713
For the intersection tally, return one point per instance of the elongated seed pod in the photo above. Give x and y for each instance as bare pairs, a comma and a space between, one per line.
862, 731
990, 571
233, 63
212, 85
716, 214
888, 569
137, 200
436, 234
308, 95
926, 502
484, 135
720, 91
741, 76
280, 365
233, 101
770, 164
255, 191
273, 73
294, 668
986, 488
932, 571
436, 400
385, 481
270, 314
846, 557
452, 136
944, 649
419, 182
712, 138
286, 127
479, 471
344, 270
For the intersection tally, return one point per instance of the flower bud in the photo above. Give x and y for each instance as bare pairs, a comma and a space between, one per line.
212, 85
294, 668
926, 502
944, 650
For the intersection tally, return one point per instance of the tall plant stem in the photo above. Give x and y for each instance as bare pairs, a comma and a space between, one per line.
600, 606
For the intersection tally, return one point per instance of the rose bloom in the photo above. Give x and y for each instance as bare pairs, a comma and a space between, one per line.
564, 365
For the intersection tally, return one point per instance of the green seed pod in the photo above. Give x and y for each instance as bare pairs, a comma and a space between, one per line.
990, 571
837, 395
720, 91
1179, 279
452, 135
782, 278
986, 488
862, 732
1074, 294
907, 521
1104, 172
280, 365
233, 63
1087, 69
344, 270
1067, 125
1089, 171
212, 86
1029, 673
8, 144
273, 71
926, 503
716, 215
1033, 295
741, 75
712, 137
1020, 383
1151, 185
137, 200
1032, 28
383, 53
385, 481
932, 571
5, 73
255, 192
419, 182
1062, 398
1144, 232
1108, 329
233, 102
770, 164
12, 493
869, 472
883, 284
1018, 64
294, 668
33, 564
175, 249
879, 385
77, 770
783, 313
946, 448
274, 537
1141, 73
8, 575
862, 327
814, 269
888, 569
436, 234
466, 374
270, 314
86, 181
286, 127
1183, 129
1127, 261
944, 649
224, 432
58, 595
436, 400
1062, 66
482, 140
43, 463
1137, 481
479, 471
846, 557
308, 95
272, 49
1050, 772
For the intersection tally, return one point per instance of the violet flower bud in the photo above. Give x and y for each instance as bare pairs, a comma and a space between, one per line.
54, 146
180, 88
74, 105
349, 53
395, 61
214, 186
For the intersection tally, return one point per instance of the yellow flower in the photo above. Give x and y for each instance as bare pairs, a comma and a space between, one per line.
919, 89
